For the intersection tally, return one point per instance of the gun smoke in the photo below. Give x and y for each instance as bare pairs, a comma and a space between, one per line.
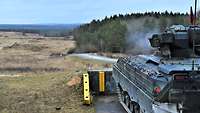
138, 33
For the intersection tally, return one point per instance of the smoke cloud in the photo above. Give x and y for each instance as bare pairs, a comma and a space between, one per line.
139, 31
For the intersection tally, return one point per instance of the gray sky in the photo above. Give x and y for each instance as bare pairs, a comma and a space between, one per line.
80, 11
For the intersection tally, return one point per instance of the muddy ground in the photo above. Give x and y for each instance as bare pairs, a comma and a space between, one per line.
36, 77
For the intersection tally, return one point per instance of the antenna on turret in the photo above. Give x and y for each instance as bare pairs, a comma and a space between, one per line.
195, 13
193, 17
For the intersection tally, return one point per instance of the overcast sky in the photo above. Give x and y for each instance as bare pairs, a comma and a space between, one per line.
80, 11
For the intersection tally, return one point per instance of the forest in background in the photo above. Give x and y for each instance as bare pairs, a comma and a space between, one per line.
125, 33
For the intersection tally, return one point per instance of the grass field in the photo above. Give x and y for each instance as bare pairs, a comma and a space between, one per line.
36, 78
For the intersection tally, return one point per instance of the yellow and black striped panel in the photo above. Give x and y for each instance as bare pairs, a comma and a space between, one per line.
86, 90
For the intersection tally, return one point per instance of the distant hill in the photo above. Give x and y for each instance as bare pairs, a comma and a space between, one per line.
42, 29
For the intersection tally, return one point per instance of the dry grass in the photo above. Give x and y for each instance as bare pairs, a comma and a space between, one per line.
44, 92
41, 82
32, 54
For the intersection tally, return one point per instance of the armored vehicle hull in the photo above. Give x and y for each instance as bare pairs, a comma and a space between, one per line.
150, 84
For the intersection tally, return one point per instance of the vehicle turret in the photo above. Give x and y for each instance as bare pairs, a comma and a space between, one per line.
178, 41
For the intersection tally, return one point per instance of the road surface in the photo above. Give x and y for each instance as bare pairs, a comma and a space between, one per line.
108, 104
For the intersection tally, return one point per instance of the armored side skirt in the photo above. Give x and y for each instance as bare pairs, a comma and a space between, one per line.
146, 103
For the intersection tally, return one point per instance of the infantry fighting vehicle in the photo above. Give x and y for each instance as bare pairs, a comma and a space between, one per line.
166, 82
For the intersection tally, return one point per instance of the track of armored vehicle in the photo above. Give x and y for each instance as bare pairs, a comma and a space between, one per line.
166, 82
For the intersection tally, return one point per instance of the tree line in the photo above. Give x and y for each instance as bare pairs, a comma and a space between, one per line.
111, 33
